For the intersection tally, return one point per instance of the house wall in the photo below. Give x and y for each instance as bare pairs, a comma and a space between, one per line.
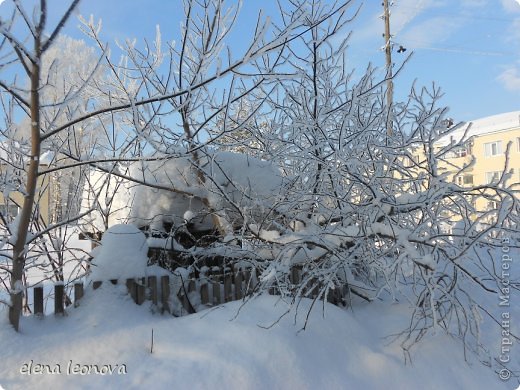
43, 197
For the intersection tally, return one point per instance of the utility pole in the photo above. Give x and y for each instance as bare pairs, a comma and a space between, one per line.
388, 55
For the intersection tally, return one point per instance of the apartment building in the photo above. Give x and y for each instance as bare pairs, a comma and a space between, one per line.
490, 148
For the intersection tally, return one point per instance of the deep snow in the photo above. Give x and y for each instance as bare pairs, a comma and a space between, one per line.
230, 347
218, 349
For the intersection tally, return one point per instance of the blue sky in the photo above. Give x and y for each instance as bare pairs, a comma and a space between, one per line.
470, 48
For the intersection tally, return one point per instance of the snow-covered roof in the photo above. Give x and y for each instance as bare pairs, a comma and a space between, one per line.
491, 124
232, 179
7, 149
46, 158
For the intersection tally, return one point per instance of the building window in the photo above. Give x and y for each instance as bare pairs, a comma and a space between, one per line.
461, 151
465, 180
9, 210
472, 200
411, 161
468, 179
492, 205
493, 177
518, 144
493, 148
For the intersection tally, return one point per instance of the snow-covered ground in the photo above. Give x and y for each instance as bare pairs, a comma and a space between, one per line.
236, 346
218, 349
75, 256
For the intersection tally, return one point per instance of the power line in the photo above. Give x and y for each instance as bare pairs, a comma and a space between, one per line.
459, 49
459, 16
454, 48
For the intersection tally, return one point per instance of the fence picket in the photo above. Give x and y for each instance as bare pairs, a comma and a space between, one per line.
249, 280
295, 275
59, 294
165, 293
38, 300
238, 285
78, 293
204, 293
140, 290
132, 288
152, 285
228, 293
215, 278
214, 286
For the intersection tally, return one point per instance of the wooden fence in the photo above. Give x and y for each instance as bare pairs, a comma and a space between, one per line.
210, 287
136, 287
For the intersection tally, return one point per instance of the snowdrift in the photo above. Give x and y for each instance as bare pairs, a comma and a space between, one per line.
218, 349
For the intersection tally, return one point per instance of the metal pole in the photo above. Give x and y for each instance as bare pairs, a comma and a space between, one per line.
388, 55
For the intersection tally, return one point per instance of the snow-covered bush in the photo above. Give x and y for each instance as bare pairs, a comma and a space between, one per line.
355, 205
360, 210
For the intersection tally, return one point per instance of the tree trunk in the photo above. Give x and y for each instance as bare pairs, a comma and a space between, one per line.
19, 248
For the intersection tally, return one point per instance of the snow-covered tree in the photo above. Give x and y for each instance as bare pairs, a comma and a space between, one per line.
128, 108
355, 208
74, 78
368, 212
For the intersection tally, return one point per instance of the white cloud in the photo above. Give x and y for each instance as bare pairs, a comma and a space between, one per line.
430, 24
402, 14
474, 3
407, 10
430, 32
514, 31
510, 78
511, 5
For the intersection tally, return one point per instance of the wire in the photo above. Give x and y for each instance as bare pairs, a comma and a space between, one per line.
464, 51
457, 49
461, 16
452, 48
